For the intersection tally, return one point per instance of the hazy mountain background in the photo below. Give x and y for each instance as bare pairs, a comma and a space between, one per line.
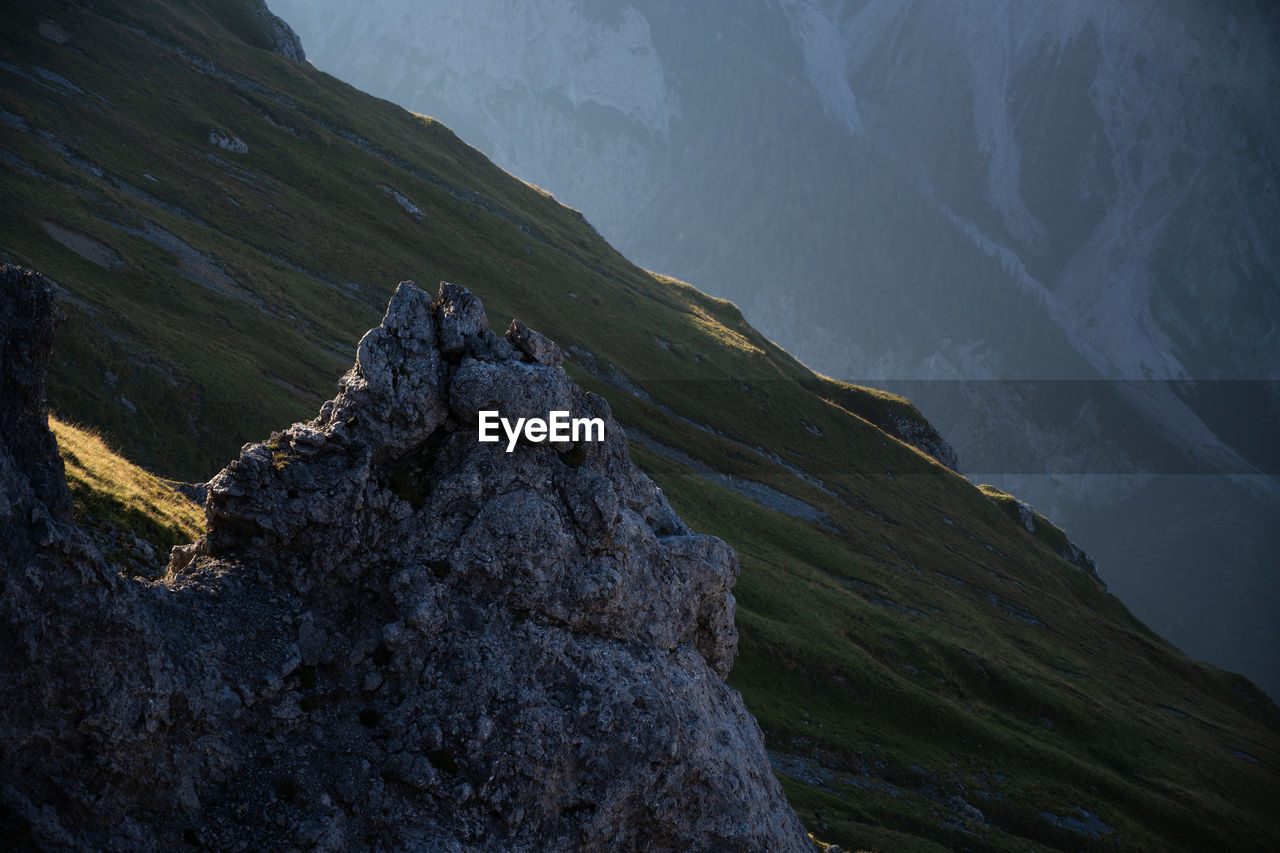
1053, 226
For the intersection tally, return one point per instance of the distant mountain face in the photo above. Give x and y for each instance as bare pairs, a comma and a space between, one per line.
1117, 166
1127, 157
571, 80
902, 191
918, 193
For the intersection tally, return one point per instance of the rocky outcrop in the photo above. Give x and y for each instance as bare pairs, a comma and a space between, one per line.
227, 142
392, 635
1043, 529
281, 37
920, 434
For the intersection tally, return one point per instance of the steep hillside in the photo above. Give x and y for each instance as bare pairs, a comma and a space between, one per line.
224, 222
1032, 191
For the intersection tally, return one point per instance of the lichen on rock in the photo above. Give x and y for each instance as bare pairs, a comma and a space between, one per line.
395, 636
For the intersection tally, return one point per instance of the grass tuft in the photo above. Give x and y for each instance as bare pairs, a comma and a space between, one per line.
118, 502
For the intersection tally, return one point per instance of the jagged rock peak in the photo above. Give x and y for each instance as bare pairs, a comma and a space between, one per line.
571, 531
396, 636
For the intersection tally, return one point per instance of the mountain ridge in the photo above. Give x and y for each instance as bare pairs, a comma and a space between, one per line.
1033, 192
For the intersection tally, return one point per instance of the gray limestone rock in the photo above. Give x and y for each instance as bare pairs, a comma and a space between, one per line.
228, 142
920, 434
461, 317
535, 345
392, 636
279, 35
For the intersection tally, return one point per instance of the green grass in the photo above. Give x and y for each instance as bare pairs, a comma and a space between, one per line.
112, 495
926, 646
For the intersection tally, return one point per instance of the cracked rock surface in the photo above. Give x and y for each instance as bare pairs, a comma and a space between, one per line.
392, 636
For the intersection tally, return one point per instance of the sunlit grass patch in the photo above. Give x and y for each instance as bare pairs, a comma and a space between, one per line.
107, 488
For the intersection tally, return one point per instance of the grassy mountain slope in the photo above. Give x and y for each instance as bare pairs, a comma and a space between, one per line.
928, 674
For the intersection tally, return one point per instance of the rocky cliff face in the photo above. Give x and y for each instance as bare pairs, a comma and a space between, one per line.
392, 636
